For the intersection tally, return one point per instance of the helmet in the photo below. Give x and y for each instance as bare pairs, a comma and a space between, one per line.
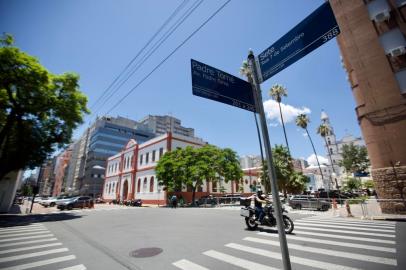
259, 192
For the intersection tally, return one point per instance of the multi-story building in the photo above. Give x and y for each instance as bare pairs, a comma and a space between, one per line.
250, 161
163, 124
299, 164
373, 48
105, 137
60, 170
46, 177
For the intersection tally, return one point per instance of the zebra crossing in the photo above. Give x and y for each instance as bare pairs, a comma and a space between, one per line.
34, 246
318, 242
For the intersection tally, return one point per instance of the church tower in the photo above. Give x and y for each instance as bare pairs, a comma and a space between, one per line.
332, 149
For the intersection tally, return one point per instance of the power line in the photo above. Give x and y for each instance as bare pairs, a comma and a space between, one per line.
166, 58
174, 13
157, 45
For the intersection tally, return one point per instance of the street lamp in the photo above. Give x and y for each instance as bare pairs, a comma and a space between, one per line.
96, 167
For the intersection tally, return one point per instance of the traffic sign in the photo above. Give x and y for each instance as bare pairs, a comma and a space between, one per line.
211, 83
315, 30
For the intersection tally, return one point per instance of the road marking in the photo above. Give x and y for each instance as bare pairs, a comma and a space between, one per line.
28, 242
28, 248
351, 221
26, 237
344, 227
293, 259
23, 231
374, 240
40, 263
343, 231
17, 228
188, 265
75, 267
335, 253
334, 243
23, 234
237, 261
344, 224
30, 255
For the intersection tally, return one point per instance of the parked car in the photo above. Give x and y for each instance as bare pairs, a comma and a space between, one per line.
76, 202
51, 201
306, 201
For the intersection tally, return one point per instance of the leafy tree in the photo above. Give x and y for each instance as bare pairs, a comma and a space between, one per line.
302, 121
38, 110
26, 190
283, 168
265, 178
355, 158
369, 184
352, 184
297, 183
277, 92
192, 166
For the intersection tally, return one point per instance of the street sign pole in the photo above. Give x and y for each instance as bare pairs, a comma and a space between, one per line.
271, 170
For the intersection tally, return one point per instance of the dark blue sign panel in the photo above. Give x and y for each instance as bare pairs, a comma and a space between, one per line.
214, 84
318, 28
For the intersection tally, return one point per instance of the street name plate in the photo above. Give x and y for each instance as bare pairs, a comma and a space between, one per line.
315, 30
211, 83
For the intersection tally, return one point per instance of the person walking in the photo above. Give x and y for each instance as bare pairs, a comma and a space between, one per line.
174, 201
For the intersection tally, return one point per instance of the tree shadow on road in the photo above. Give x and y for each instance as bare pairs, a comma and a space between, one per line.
23, 220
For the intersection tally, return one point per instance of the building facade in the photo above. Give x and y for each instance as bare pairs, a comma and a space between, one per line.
250, 161
60, 170
373, 48
162, 124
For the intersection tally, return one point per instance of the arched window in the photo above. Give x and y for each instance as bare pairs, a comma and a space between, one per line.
109, 188
114, 185
151, 184
328, 140
139, 185
144, 185
331, 150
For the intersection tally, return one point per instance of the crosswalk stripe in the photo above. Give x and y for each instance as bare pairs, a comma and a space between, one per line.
28, 248
28, 242
345, 224
22, 231
75, 267
293, 259
188, 265
40, 263
24, 234
365, 239
351, 221
344, 227
343, 231
335, 253
334, 243
26, 237
237, 261
16, 228
34, 254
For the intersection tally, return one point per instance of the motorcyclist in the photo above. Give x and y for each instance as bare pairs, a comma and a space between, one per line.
259, 199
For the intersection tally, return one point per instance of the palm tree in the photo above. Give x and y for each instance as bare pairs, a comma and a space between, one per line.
302, 121
246, 71
324, 130
276, 92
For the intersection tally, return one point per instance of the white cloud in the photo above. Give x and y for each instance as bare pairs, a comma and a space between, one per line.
289, 112
312, 160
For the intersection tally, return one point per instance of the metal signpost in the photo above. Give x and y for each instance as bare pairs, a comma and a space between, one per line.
208, 82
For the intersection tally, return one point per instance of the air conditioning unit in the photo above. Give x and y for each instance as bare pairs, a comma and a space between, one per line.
381, 16
398, 51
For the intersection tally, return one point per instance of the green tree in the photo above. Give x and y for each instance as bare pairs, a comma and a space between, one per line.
297, 183
352, 184
26, 190
38, 110
283, 167
355, 158
303, 121
277, 91
369, 184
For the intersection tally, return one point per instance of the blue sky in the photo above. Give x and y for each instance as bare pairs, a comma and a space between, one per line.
97, 39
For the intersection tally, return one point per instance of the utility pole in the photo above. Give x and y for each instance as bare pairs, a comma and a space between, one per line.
271, 170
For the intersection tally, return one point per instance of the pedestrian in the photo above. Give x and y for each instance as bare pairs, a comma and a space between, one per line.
174, 201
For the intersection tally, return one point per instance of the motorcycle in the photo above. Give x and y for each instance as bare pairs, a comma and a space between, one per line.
248, 212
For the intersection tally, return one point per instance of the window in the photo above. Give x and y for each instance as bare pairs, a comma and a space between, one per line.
114, 185
328, 140
214, 187
144, 185
146, 158
334, 161
139, 185
151, 184
161, 152
331, 150
153, 156
141, 159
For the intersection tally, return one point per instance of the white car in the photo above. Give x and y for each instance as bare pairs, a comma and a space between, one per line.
51, 201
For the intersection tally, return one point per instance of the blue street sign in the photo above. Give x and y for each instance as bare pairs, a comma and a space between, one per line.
214, 84
315, 30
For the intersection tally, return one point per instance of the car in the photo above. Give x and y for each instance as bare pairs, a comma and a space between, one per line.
51, 201
75, 202
19, 200
307, 201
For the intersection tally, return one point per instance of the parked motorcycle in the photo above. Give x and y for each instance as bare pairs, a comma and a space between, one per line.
248, 212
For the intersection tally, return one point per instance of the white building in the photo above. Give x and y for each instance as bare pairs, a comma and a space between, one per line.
163, 124
250, 161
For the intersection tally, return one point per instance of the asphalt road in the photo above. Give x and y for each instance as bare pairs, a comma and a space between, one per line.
196, 239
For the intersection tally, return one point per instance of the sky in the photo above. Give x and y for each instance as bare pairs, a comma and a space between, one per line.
98, 38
